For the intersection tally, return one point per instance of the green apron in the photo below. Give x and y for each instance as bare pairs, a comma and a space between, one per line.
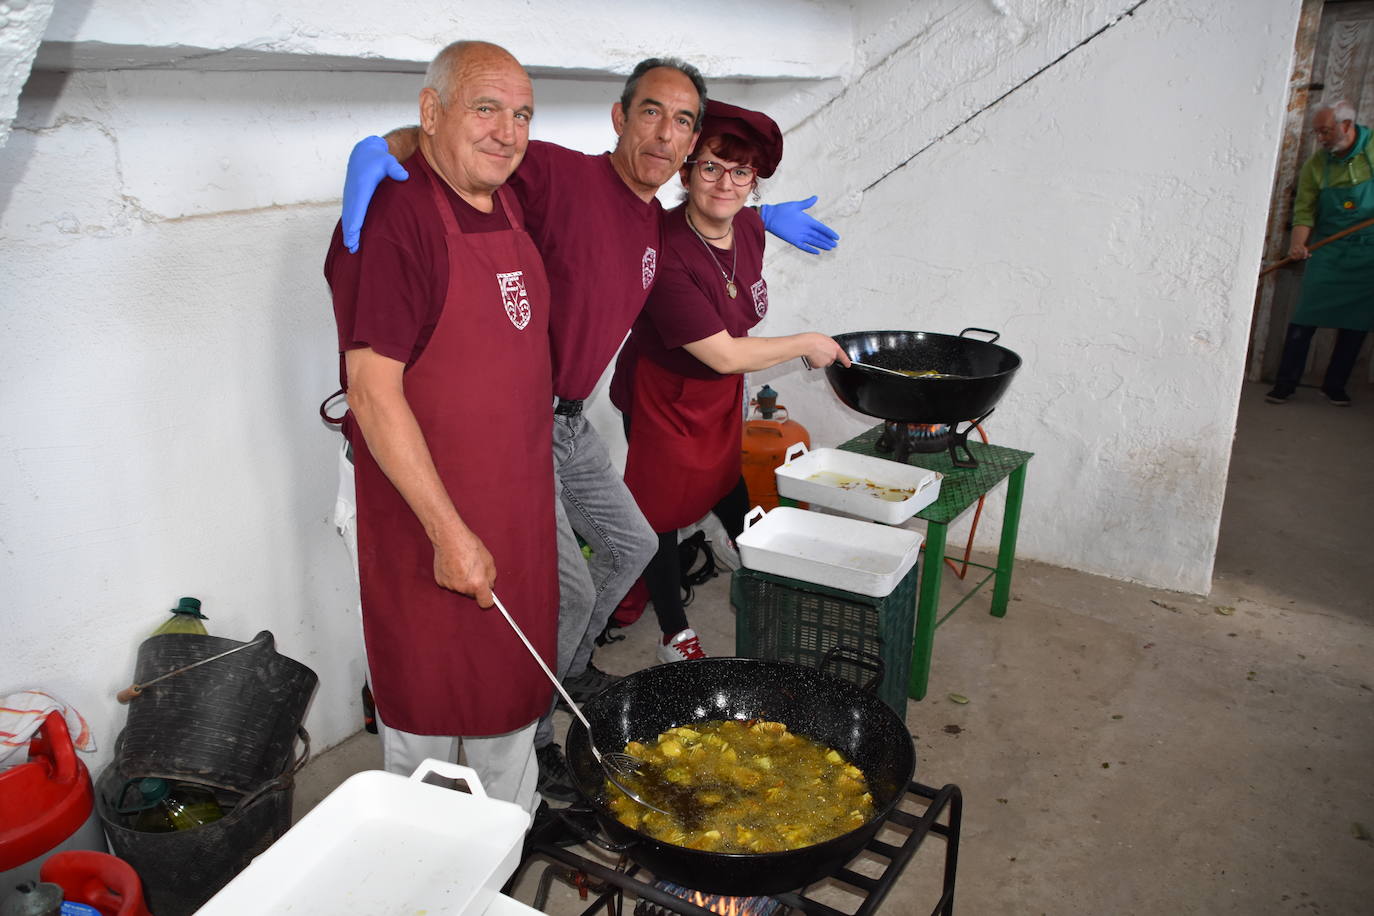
1338, 284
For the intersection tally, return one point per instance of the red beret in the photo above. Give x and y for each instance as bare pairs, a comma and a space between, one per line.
753, 127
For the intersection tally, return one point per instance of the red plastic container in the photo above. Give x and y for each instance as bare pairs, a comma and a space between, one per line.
45, 803
97, 879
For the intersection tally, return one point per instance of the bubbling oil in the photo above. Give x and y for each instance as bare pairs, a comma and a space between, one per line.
742, 787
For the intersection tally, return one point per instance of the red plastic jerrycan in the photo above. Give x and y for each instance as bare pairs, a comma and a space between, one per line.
97, 879
47, 804
767, 437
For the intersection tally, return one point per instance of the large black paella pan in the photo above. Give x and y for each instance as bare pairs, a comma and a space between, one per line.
832, 711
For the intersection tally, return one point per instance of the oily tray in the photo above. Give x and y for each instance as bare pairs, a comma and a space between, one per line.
386, 844
872, 488
844, 553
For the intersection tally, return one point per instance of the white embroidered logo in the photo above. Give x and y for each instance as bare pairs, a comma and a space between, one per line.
760, 293
514, 298
648, 265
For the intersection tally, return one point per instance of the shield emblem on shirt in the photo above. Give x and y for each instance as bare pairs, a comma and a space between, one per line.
760, 293
647, 266
514, 298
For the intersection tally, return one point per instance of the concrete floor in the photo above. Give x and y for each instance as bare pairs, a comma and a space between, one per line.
1132, 751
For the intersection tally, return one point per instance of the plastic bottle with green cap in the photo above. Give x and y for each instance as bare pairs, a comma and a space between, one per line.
166, 806
186, 618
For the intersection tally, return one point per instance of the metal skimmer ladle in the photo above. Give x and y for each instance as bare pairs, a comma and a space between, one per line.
613, 764
872, 368
858, 365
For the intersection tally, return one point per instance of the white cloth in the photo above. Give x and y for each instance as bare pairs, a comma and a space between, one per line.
24, 712
346, 507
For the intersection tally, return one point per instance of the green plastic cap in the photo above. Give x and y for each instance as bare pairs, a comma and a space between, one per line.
152, 789
190, 607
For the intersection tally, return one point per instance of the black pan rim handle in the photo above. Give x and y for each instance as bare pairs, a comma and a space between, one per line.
996, 335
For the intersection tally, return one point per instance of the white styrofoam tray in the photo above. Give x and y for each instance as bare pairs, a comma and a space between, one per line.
873, 488
385, 844
844, 553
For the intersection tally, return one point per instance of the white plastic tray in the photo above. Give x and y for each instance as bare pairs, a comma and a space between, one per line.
873, 488
386, 845
844, 553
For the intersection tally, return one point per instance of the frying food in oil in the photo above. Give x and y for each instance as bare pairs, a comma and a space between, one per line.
742, 787
927, 373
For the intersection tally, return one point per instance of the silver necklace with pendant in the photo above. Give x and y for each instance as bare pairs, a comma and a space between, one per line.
730, 289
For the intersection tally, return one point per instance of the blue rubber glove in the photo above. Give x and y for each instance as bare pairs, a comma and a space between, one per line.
368, 164
791, 223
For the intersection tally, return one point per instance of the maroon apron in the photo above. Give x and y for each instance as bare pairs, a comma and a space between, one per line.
481, 391
684, 451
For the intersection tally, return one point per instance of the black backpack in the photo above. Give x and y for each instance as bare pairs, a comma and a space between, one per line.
697, 561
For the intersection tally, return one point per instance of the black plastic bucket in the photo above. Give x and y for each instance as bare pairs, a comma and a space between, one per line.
183, 869
230, 723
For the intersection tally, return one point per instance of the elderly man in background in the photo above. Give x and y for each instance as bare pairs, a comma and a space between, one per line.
597, 223
454, 481
1335, 192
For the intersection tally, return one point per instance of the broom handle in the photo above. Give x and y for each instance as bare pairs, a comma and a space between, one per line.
1330, 238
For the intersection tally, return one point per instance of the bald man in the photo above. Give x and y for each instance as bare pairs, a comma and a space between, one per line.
454, 480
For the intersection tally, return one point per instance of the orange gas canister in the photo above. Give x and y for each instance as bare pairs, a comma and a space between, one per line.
767, 435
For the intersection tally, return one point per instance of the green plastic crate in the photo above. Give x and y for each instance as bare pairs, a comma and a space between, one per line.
788, 620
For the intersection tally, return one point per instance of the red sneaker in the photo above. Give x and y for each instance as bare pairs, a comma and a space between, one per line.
680, 647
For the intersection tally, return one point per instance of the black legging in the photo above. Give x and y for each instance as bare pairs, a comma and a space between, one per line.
663, 575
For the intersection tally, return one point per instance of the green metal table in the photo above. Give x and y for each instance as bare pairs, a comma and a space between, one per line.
960, 489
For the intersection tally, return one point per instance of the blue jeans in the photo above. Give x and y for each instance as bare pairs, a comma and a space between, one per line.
593, 502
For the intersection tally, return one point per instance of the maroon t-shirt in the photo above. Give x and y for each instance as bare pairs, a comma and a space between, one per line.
389, 295
601, 246
689, 300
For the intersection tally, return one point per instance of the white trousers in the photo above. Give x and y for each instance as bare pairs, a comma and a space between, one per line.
505, 764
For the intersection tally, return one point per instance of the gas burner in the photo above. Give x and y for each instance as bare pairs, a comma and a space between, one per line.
714, 903
899, 839
903, 440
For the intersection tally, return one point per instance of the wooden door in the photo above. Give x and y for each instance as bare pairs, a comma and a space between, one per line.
1335, 60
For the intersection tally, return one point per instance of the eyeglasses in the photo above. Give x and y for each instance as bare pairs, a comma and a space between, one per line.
740, 175
1328, 131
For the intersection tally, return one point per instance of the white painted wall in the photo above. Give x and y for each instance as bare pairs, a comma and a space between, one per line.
765, 39
21, 28
168, 332
1106, 216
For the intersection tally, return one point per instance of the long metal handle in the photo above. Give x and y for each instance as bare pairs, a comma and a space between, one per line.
133, 690
605, 767
538, 658
881, 369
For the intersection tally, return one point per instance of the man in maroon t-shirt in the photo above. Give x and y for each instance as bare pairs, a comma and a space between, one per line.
597, 223
450, 263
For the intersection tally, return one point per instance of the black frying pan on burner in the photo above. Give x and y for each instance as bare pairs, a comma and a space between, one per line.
970, 377
834, 712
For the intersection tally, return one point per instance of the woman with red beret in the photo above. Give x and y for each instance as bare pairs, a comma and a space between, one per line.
678, 380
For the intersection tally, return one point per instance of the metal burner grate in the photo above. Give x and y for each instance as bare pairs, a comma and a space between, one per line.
712, 903
610, 885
